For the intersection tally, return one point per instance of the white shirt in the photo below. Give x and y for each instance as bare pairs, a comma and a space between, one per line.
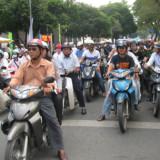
69, 63
57, 58
95, 54
154, 59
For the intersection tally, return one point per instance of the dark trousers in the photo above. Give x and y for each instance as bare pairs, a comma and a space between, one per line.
78, 89
49, 114
57, 100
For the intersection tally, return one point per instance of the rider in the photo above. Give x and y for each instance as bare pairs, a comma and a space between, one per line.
33, 72
121, 60
70, 63
94, 55
154, 60
80, 50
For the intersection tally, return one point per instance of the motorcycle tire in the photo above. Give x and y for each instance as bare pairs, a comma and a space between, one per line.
87, 95
122, 118
14, 149
156, 106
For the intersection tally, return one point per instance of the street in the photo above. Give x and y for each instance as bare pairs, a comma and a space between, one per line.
87, 139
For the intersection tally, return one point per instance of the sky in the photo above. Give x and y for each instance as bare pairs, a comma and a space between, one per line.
98, 3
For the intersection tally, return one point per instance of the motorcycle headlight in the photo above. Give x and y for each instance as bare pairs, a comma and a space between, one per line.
121, 85
87, 71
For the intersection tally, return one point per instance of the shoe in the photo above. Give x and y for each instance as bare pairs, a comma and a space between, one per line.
101, 118
62, 155
136, 107
83, 111
104, 94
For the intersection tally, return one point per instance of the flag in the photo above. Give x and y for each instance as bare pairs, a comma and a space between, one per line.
30, 34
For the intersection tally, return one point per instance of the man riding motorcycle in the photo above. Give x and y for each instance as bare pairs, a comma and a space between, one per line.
94, 55
154, 60
33, 72
120, 61
71, 65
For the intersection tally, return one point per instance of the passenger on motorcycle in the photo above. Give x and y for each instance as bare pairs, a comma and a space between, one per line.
120, 61
80, 50
56, 95
33, 72
94, 55
71, 65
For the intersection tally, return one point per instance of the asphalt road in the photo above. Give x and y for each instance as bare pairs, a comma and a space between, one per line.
87, 139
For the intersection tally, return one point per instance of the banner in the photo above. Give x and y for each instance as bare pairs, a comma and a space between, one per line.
30, 34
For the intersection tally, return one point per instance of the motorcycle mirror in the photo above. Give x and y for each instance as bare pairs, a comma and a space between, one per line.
49, 80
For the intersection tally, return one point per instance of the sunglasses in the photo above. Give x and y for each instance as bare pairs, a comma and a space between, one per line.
32, 49
121, 47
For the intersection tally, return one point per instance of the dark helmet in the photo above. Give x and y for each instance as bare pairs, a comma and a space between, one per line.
121, 43
66, 45
36, 42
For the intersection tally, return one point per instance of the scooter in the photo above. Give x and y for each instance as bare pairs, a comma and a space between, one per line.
25, 128
155, 89
68, 95
123, 95
90, 84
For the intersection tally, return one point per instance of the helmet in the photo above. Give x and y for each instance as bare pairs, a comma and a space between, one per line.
45, 45
58, 46
36, 42
121, 43
66, 45
80, 43
89, 41
157, 45
1, 54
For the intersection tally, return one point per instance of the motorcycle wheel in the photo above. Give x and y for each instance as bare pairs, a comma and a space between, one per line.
87, 94
156, 106
122, 116
14, 149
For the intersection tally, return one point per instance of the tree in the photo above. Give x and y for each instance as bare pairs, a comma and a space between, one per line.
148, 15
121, 17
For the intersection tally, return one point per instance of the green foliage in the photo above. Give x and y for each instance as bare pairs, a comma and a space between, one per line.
121, 17
76, 19
148, 14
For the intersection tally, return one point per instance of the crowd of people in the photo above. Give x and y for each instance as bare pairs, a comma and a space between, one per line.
35, 62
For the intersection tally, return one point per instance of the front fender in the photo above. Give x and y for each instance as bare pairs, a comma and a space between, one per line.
87, 84
158, 87
16, 129
69, 87
121, 97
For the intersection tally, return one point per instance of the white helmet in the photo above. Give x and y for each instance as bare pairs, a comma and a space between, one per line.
89, 41
45, 45
80, 43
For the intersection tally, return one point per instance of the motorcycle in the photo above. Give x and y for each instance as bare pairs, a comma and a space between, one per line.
68, 96
123, 95
25, 128
155, 89
90, 83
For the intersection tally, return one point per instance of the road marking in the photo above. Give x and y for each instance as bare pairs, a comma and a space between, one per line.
109, 124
